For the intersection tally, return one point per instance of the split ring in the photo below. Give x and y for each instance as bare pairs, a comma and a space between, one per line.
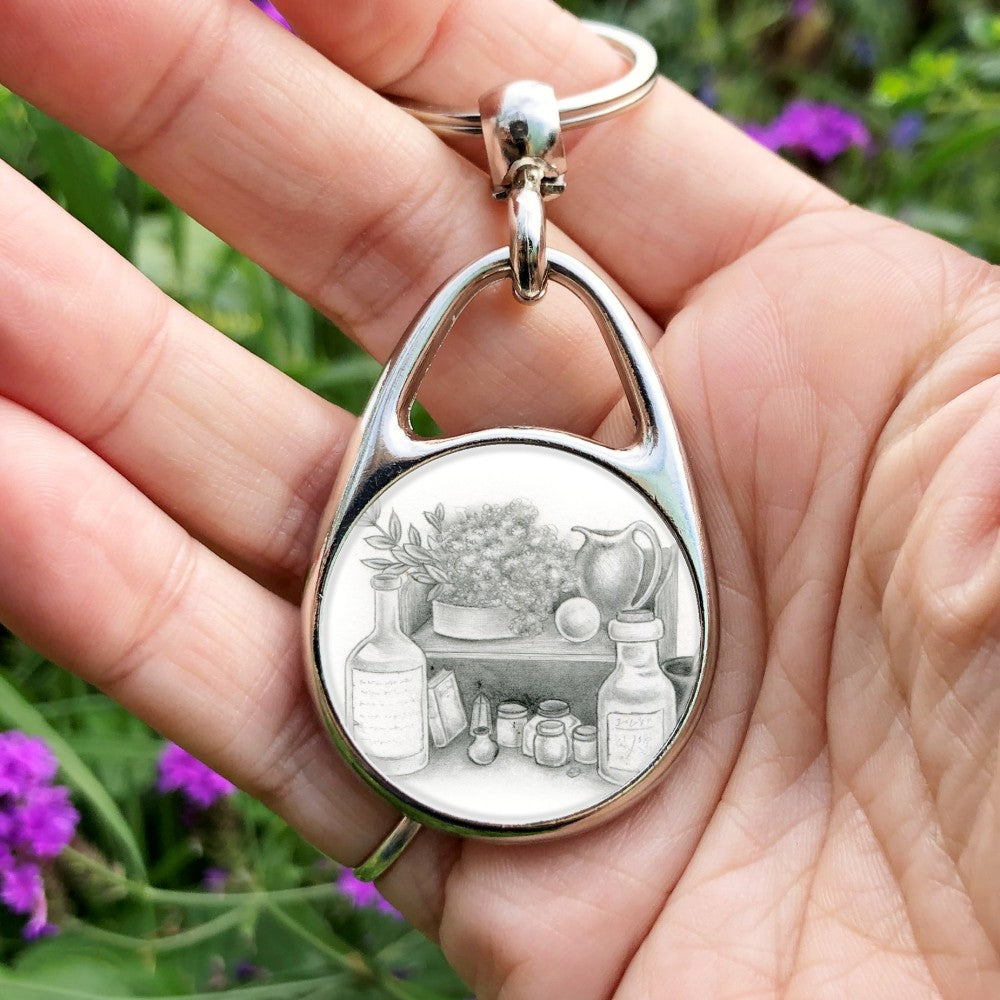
591, 106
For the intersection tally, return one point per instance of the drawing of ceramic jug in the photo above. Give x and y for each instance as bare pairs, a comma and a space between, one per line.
614, 571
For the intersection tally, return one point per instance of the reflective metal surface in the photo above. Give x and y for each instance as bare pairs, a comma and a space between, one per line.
526, 216
521, 125
388, 851
527, 165
385, 449
582, 109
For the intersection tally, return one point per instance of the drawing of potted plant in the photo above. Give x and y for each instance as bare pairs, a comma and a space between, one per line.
494, 572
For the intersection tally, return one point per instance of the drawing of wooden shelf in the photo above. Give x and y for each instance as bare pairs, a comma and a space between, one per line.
549, 645
524, 669
528, 669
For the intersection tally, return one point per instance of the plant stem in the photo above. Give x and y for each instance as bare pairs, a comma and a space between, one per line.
173, 942
358, 963
339, 952
225, 900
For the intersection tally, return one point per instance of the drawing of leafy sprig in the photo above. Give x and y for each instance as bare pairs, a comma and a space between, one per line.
411, 557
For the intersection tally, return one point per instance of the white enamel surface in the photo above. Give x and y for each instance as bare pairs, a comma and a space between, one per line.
567, 490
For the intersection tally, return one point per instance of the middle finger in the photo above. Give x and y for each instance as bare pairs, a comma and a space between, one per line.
342, 196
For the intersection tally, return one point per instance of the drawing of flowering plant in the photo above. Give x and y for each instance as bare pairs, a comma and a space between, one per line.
496, 555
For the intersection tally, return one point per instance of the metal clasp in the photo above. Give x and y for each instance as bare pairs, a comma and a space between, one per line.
527, 162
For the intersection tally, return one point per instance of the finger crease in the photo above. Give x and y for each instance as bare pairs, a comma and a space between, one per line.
192, 67
138, 377
161, 608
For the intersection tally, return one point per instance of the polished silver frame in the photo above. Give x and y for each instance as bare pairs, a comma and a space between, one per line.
384, 449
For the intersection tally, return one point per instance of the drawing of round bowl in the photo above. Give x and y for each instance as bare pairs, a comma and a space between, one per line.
578, 619
459, 622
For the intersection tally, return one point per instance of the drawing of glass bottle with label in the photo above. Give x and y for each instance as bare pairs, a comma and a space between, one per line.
636, 705
386, 691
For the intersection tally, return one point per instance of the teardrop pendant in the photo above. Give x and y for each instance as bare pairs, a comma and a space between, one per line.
478, 532
570, 580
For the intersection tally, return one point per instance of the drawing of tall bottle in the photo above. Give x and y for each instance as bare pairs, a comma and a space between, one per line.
636, 705
387, 689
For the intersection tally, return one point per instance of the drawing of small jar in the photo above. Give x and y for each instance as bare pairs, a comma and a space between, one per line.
585, 744
551, 743
551, 708
482, 749
512, 717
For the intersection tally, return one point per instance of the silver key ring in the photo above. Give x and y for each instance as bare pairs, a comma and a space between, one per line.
582, 109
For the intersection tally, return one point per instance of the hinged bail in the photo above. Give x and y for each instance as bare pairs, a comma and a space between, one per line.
527, 161
521, 127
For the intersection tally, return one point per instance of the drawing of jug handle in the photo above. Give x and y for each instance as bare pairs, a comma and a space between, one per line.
656, 574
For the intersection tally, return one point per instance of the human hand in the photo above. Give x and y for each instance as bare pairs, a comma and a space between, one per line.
831, 829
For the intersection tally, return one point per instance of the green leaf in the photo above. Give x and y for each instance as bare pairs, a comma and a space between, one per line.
72, 963
408, 989
84, 175
292, 989
931, 163
893, 86
18, 713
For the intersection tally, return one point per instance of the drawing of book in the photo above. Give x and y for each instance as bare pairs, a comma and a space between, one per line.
414, 608
445, 711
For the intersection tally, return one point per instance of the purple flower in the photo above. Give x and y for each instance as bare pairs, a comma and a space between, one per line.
864, 51
22, 891
46, 821
822, 130
764, 134
246, 972
707, 92
180, 772
22, 885
36, 822
25, 762
214, 879
272, 12
907, 130
363, 894
802, 8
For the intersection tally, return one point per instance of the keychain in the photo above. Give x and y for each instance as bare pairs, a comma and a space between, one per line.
511, 633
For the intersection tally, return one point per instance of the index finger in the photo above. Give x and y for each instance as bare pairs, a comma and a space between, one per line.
661, 196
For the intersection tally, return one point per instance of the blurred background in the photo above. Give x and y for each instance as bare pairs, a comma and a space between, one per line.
146, 875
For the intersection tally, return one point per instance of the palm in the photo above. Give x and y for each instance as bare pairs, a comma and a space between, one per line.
830, 829
828, 832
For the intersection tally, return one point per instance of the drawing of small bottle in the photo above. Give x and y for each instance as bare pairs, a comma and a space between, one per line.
481, 714
636, 705
386, 692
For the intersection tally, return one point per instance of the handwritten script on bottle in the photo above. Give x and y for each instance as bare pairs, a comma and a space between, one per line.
634, 739
388, 721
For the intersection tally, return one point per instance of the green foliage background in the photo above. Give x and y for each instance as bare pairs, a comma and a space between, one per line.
136, 922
